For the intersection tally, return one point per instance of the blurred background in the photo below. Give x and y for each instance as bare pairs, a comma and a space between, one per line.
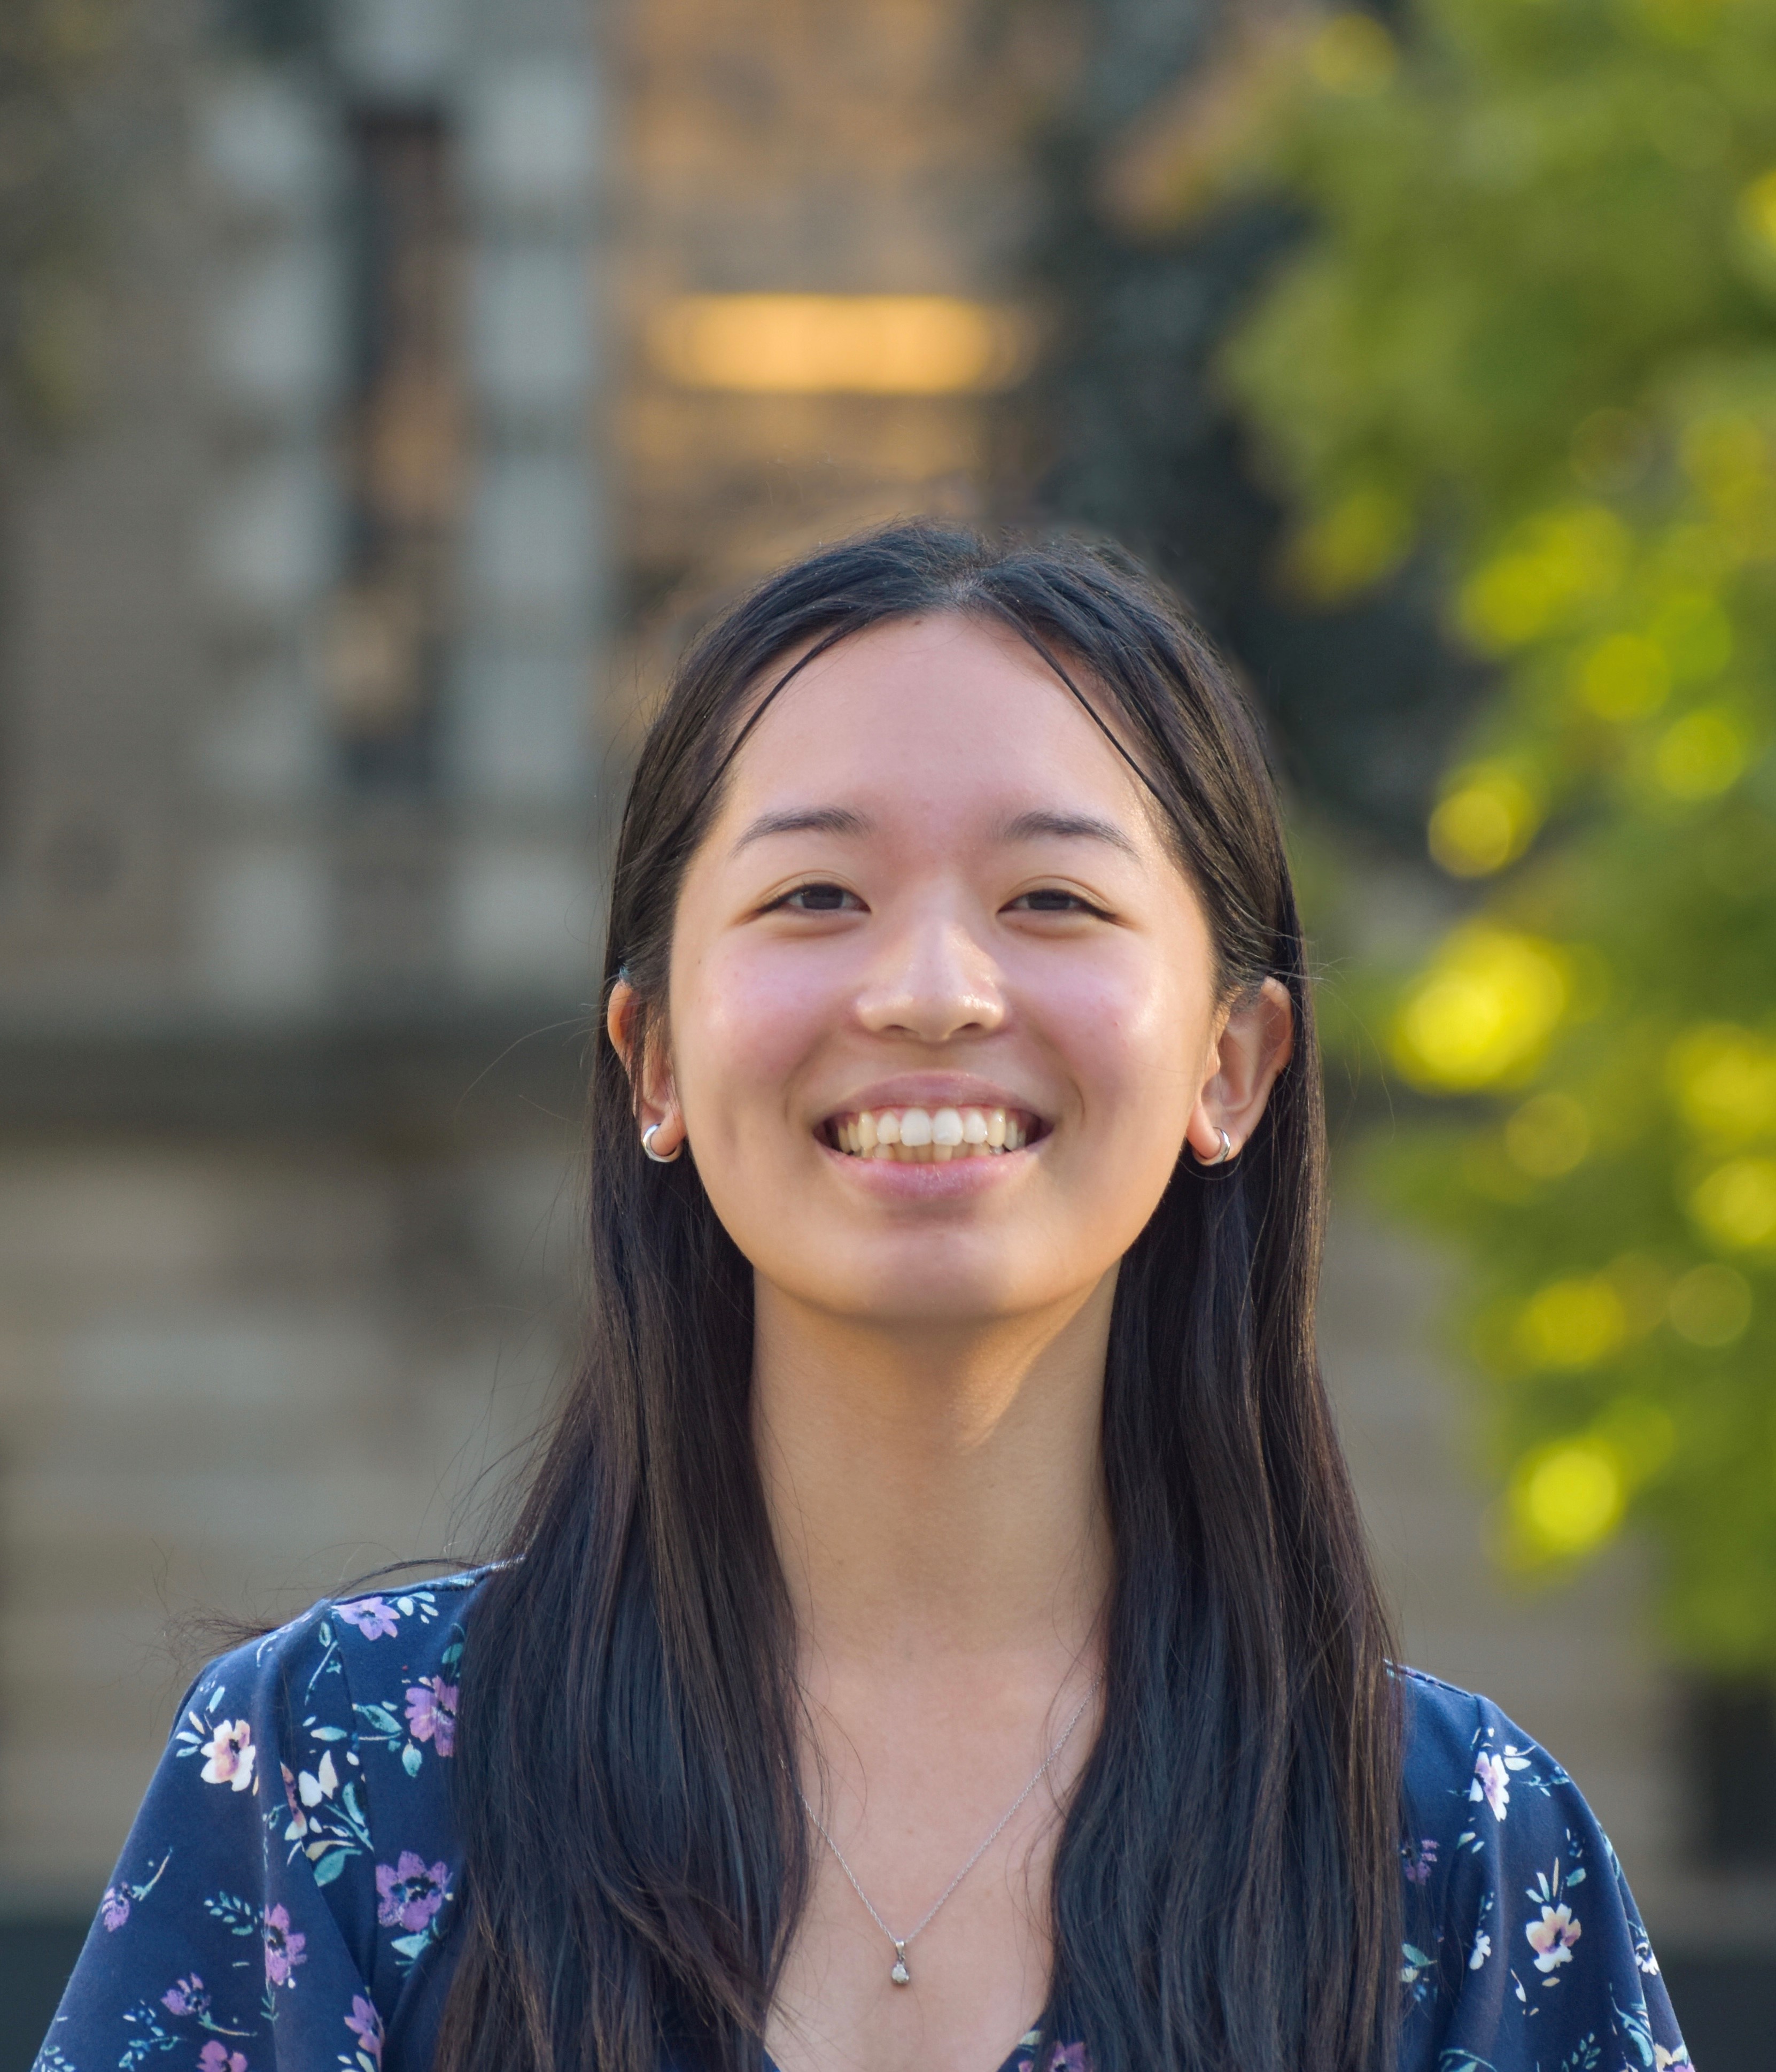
388, 388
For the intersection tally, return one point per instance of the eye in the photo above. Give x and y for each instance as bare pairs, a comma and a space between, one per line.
1054, 899
818, 898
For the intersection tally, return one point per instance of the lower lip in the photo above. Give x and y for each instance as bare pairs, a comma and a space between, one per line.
954, 1180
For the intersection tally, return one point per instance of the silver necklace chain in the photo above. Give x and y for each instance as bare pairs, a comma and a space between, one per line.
899, 1974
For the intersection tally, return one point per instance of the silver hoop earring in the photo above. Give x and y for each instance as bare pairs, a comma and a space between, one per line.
1224, 1154
658, 1157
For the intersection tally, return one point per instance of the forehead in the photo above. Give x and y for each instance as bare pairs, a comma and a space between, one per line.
940, 712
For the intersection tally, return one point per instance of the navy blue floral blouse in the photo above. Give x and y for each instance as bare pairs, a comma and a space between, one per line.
286, 1897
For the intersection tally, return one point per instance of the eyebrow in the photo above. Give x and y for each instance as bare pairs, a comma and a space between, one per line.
1033, 826
805, 821
1078, 827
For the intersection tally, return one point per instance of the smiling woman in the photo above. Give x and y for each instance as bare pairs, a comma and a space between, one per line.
939, 1614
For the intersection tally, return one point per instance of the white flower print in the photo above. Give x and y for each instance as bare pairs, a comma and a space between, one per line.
322, 1784
1553, 1936
231, 1754
1483, 1950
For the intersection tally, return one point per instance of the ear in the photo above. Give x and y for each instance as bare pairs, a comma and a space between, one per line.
656, 1101
1256, 1040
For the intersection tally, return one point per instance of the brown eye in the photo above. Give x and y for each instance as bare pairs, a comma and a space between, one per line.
1052, 899
821, 898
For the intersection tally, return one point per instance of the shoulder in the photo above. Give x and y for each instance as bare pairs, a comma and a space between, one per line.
337, 1636
1523, 1941
1461, 1752
350, 1711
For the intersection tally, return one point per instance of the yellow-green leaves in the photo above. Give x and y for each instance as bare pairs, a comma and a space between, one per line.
1531, 344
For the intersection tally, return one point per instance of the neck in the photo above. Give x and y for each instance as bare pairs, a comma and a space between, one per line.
936, 1491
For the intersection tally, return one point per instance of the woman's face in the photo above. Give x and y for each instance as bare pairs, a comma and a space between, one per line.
936, 906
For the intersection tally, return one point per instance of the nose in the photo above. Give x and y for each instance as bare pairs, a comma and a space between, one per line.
931, 980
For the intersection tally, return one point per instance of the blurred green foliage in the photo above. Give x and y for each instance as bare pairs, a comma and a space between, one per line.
50, 52
1533, 335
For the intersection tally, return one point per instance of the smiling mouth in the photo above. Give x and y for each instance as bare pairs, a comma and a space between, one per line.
931, 1137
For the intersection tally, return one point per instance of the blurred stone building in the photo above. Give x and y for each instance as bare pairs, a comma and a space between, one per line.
442, 363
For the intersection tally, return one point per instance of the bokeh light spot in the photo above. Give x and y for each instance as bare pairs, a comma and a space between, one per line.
1568, 1498
1571, 1324
1361, 537
1557, 562
1736, 1204
1723, 1078
1484, 1009
1701, 755
1711, 1306
1352, 53
1547, 1136
1625, 677
1757, 206
1483, 821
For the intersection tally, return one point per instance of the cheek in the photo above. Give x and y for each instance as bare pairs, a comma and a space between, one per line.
743, 1022
1130, 1031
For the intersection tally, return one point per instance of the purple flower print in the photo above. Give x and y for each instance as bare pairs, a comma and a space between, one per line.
283, 1946
188, 1996
113, 1910
217, 2057
431, 1712
365, 2024
374, 1619
1419, 1865
410, 1892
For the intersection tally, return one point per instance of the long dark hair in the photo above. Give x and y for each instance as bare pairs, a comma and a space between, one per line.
1225, 1888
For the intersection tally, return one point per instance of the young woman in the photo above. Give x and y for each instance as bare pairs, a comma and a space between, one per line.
941, 1615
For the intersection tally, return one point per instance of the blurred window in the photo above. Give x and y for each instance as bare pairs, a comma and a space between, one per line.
1733, 1749
404, 431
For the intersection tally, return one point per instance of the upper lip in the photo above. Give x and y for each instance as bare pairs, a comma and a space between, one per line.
931, 1089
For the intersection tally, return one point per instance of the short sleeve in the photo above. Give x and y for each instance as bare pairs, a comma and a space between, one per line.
255, 1920
1524, 1948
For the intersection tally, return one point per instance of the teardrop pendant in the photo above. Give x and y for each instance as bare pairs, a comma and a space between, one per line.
900, 1975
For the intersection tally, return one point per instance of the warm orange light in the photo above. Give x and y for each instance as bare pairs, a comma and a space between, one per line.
811, 345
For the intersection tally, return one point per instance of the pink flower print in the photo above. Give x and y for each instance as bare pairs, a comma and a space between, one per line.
231, 1754
299, 1820
409, 1893
283, 1946
1553, 1936
217, 2057
1419, 1865
188, 1996
1490, 1783
431, 1712
113, 1910
374, 1619
365, 2024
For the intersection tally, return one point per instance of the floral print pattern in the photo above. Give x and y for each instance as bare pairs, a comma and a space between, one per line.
287, 1896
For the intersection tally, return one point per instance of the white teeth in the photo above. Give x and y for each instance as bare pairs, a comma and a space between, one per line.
922, 1137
